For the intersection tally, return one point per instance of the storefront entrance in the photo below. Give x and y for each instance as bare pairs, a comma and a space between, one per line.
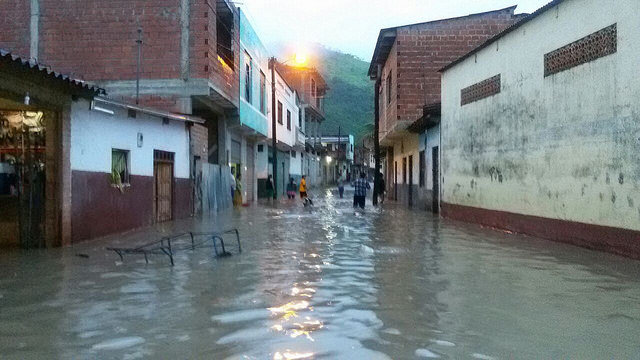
22, 178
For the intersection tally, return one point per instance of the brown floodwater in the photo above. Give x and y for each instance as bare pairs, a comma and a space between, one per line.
323, 283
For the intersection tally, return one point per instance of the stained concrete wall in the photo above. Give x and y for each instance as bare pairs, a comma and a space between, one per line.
563, 147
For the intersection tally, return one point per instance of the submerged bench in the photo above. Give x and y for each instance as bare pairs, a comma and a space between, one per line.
186, 241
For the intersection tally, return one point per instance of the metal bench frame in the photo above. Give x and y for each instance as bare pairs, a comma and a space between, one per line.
170, 245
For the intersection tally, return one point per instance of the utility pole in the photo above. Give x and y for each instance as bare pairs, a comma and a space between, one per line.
376, 139
339, 148
274, 142
139, 42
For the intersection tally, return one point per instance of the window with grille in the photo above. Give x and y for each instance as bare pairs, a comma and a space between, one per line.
481, 90
599, 44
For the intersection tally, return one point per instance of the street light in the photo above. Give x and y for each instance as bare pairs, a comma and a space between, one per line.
329, 159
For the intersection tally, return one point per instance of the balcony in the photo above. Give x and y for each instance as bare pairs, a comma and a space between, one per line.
300, 139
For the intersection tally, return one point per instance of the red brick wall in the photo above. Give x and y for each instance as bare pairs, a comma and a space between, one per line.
14, 26
423, 49
204, 61
96, 39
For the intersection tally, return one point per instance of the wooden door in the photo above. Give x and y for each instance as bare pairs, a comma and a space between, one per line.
163, 186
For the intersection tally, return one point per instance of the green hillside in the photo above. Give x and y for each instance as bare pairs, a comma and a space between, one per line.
349, 103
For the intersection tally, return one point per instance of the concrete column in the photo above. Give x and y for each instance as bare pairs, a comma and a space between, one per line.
34, 29
185, 14
64, 175
243, 166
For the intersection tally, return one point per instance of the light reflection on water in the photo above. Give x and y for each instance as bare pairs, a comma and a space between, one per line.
325, 283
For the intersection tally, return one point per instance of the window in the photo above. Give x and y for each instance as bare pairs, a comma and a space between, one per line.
293, 154
300, 119
224, 32
248, 83
263, 93
423, 167
260, 148
288, 120
389, 87
279, 113
120, 166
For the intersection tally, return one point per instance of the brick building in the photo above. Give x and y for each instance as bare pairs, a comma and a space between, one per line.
181, 56
406, 61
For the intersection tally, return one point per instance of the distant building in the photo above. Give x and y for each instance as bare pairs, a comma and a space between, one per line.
407, 59
541, 127
336, 157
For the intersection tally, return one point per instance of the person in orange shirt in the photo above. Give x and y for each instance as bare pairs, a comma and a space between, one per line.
303, 187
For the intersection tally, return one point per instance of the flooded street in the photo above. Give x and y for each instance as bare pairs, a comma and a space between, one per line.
323, 283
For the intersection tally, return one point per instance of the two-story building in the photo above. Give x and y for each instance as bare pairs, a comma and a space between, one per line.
252, 125
405, 66
287, 112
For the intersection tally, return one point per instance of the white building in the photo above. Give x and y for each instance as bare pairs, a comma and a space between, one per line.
129, 167
289, 140
541, 127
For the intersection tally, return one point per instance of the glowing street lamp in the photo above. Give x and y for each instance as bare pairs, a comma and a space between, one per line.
300, 59
329, 159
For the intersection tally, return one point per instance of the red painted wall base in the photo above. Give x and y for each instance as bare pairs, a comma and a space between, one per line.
603, 238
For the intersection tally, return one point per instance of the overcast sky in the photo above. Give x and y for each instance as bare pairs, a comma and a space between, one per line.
352, 26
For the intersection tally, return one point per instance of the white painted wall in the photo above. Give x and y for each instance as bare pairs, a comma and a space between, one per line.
403, 148
295, 164
287, 97
566, 146
94, 134
433, 140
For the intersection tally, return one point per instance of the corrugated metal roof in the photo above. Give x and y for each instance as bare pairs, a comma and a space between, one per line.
47, 72
506, 31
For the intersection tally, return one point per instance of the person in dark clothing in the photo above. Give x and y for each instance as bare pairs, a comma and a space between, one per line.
381, 188
269, 188
360, 191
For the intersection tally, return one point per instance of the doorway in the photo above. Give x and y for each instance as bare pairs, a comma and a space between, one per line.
163, 185
395, 180
249, 174
23, 166
436, 176
410, 191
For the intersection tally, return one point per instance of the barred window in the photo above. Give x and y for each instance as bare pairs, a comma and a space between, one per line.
599, 44
481, 90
